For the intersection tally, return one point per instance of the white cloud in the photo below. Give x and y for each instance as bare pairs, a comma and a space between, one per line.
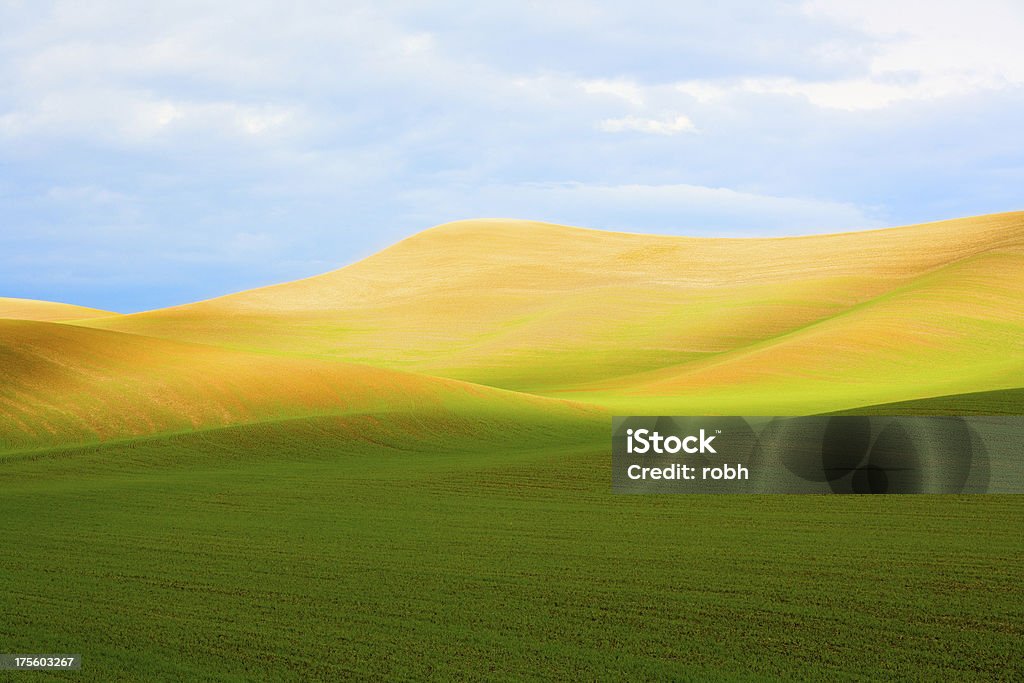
620, 88
702, 91
915, 50
850, 94
978, 41
672, 208
672, 125
923, 50
127, 116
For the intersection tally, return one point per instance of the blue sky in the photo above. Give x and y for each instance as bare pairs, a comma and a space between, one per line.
161, 152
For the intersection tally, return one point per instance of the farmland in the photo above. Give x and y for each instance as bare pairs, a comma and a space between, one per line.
296, 551
401, 469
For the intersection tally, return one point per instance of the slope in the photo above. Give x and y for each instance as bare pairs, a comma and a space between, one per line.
543, 308
1002, 402
30, 309
62, 385
959, 329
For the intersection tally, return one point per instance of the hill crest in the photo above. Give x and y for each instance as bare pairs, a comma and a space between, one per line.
544, 308
47, 311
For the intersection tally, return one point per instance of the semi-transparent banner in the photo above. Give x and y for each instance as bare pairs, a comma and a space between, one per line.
820, 454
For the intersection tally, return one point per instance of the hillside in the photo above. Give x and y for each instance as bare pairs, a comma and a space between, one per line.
729, 324
62, 385
958, 329
30, 309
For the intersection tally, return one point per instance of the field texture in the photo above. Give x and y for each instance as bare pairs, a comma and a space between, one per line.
401, 469
303, 551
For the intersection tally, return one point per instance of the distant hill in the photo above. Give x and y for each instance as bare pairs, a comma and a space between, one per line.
30, 309
656, 322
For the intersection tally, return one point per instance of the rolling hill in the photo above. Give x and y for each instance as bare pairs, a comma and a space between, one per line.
62, 385
304, 479
494, 315
657, 323
31, 309
958, 329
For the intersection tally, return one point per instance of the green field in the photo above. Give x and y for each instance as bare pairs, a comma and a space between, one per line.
1006, 402
294, 551
402, 469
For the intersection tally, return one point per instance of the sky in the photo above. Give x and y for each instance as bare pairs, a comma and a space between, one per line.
157, 153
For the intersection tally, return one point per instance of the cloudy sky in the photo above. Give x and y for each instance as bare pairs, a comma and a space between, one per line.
153, 153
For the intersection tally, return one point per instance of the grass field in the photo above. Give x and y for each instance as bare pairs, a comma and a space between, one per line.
401, 469
295, 551
1006, 402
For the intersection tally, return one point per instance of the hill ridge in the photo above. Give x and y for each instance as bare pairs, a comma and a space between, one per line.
65, 384
14, 308
549, 309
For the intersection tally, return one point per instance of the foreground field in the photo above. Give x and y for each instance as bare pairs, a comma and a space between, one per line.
299, 551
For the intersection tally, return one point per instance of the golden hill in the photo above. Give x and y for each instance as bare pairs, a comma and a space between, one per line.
30, 309
542, 307
958, 329
62, 385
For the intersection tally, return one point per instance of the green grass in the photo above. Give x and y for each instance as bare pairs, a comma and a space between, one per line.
1005, 402
302, 551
